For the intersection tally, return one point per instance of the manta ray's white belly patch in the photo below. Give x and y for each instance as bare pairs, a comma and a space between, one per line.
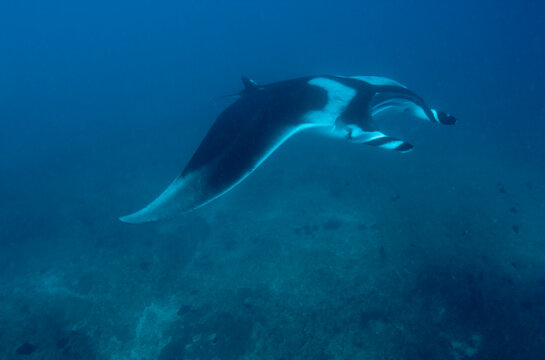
338, 95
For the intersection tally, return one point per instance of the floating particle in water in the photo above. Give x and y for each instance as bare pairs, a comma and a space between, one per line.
508, 280
213, 338
382, 254
99, 242
62, 342
332, 224
247, 303
480, 275
370, 316
305, 230
184, 309
26, 349
527, 305
144, 265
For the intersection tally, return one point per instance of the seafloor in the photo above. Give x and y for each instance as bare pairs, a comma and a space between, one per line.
328, 251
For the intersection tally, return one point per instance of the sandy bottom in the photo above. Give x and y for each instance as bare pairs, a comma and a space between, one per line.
323, 253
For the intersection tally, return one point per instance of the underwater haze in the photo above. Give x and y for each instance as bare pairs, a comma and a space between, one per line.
329, 250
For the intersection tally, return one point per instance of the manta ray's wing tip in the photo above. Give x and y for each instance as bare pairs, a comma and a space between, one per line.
167, 205
130, 219
125, 219
138, 217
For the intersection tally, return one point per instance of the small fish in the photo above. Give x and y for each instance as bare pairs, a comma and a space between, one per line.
185, 309
382, 253
61, 343
26, 349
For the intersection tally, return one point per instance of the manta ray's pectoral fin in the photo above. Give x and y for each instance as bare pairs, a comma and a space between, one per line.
199, 185
181, 196
377, 138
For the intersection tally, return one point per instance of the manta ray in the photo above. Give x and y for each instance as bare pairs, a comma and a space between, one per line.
264, 116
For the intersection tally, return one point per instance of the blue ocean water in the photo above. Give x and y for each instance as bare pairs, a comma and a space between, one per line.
330, 250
